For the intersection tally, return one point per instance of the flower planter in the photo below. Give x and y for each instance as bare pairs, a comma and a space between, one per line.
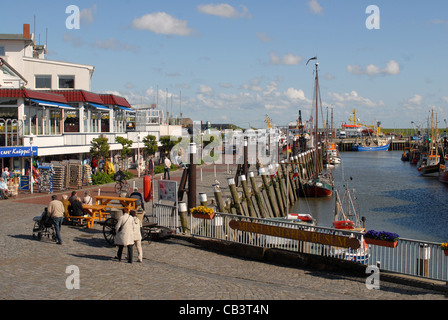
203, 216
445, 252
383, 243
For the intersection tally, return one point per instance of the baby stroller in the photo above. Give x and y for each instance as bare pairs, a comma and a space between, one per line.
43, 227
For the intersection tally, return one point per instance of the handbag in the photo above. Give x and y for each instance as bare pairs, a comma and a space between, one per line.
121, 227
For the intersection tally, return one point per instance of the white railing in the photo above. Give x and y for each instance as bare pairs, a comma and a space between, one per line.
166, 216
411, 257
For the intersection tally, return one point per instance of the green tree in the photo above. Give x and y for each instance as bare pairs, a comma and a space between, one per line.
150, 143
127, 144
167, 143
99, 147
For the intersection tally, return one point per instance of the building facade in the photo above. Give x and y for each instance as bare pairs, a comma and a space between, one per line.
47, 109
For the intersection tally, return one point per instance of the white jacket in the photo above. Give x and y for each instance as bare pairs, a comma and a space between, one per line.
126, 236
137, 225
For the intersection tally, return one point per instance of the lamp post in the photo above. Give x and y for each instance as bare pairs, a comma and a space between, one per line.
31, 163
138, 155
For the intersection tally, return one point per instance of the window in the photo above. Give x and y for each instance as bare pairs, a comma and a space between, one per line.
43, 82
66, 82
2, 51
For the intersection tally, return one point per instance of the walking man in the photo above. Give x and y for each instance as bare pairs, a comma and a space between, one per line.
166, 166
56, 214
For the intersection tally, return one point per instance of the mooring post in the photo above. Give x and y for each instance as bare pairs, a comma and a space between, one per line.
236, 198
278, 196
247, 198
184, 221
257, 195
274, 210
192, 177
203, 199
218, 198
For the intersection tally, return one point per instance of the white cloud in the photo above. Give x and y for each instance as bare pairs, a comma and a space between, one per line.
224, 10
86, 15
445, 99
353, 97
414, 103
287, 59
392, 68
263, 37
162, 23
315, 7
113, 44
205, 90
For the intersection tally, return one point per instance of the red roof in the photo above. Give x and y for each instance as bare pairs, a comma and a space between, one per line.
111, 99
31, 94
79, 96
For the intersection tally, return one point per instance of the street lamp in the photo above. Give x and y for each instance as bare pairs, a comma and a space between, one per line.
138, 155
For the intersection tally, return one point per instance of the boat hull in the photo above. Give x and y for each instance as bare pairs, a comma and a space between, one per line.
316, 189
443, 174
374, 148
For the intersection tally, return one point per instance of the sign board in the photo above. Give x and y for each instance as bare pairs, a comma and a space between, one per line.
168, 190
295, 234
24, 182
16, 152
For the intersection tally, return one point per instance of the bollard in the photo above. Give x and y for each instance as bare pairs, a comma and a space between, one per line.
236, 198
247, 196
184, 221
203, 199
274, 210
278, 197
424, 254
257, 195
218, 197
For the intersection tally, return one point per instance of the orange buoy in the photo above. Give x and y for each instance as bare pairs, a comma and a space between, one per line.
147, 188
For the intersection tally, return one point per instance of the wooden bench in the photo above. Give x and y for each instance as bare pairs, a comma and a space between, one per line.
90, 220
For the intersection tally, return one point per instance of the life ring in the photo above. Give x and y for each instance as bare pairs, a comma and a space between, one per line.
147, 188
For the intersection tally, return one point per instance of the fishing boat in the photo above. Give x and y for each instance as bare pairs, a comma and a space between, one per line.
443, 171
430, 161
368, 147
347, 218
321, 183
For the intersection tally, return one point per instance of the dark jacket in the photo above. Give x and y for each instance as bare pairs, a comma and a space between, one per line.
76, 209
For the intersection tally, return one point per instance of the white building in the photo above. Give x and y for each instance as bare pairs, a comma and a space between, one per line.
48, 104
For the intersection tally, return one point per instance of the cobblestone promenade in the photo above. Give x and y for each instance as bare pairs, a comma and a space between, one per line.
172, 269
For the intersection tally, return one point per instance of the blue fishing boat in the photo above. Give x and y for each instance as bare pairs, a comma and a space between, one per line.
357, 147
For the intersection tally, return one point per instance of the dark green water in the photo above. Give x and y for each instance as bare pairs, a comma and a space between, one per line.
391, 195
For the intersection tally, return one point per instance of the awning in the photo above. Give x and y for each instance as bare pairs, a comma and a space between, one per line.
126, 109
52, 104
98, 106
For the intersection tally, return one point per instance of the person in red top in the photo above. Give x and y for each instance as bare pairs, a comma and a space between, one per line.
94, 165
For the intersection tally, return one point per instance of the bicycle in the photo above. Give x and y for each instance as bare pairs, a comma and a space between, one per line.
121, 185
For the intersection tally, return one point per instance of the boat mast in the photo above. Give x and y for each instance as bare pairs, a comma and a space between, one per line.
316, 129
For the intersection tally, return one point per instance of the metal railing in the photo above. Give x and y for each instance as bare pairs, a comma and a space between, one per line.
411, 257
166, 216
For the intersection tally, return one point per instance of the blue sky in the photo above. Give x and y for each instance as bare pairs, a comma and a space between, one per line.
236, 61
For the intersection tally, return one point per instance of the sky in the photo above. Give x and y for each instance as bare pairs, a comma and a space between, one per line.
240, 61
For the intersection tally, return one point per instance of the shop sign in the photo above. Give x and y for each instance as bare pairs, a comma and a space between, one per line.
17, 152
295, 234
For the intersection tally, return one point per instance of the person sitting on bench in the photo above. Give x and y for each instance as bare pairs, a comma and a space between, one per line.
75, 209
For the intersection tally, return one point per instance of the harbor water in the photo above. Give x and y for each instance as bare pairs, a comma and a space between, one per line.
391, 194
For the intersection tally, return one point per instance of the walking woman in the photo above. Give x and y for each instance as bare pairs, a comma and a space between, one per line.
125, 235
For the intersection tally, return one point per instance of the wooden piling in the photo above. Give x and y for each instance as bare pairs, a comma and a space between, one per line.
261, 210
235, 197
274, 209
247, 197
218, 198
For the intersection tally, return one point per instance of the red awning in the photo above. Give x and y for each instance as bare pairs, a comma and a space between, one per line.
79, 96
111, 99
31, 94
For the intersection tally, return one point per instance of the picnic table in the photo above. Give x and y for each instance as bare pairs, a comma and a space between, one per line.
95, 212
111, 202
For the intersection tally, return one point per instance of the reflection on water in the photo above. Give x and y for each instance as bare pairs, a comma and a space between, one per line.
391, 194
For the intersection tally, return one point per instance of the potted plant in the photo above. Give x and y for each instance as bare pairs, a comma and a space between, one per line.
444, 247
203, 212
382, 238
